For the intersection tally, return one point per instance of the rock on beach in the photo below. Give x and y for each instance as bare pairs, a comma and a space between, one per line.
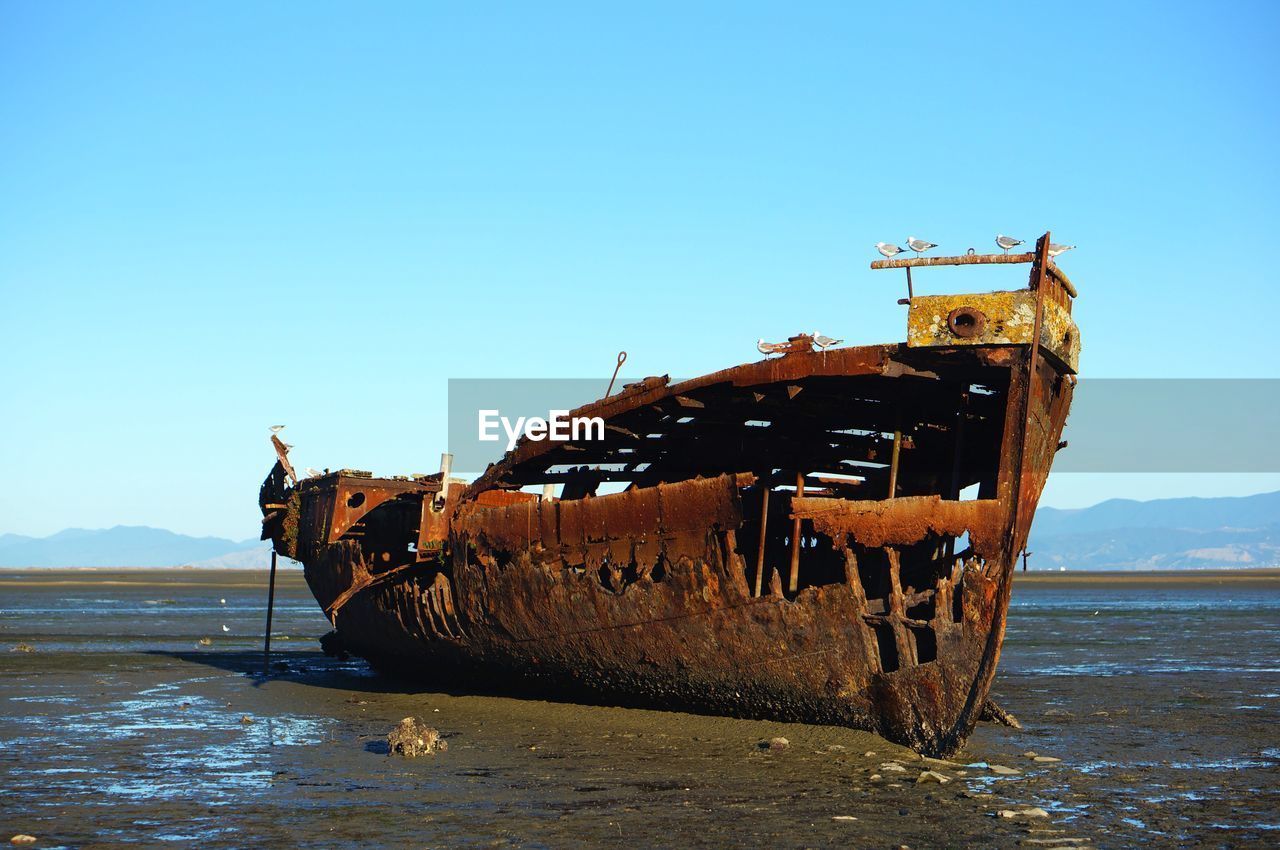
412, 738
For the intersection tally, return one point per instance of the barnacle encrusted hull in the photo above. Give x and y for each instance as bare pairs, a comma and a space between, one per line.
827, 536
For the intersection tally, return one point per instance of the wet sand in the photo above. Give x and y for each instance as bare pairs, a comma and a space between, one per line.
120, 727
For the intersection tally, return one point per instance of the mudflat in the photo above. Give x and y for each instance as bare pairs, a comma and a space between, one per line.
136, 712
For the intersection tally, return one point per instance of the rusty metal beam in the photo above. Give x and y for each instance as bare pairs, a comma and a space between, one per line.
1061, 277
893, 463
764, 523
976, 260
793, 582
962, 260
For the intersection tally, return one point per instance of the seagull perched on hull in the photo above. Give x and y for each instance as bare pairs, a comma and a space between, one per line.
1007, 242
772, 347
888, 251
1055, 249
919, 245
824, 342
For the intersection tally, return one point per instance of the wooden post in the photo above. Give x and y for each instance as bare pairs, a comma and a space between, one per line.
794, 581
271, 602
764, 521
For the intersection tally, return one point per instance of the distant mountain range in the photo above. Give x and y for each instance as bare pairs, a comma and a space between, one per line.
129, 546
1163, 534
1119, 534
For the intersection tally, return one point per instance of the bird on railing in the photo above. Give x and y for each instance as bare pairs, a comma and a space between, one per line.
919, 245
888, 251
1007, 242
1055, 249
824, 342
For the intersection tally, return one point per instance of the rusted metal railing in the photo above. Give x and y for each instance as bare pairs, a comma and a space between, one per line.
976, 260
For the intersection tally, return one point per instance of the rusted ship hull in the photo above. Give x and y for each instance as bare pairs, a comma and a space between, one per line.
800, 538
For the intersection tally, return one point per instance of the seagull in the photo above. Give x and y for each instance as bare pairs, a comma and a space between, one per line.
1055, 249
276, 429
772, 347
824, 342
1007, 242
311, 473
888, 251
919, 245
226, 628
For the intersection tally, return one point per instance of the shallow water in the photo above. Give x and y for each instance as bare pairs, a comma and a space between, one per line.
120, 727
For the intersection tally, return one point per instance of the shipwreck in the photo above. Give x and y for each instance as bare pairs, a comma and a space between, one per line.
826, 536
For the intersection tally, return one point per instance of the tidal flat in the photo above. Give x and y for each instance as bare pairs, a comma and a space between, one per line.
136, 712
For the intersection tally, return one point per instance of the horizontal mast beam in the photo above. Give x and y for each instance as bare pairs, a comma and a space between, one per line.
976, 260
962, 260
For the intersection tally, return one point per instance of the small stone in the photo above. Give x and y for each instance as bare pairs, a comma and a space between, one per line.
1030, 754
1045, 759
1023, 814
246, 719
836, 748
843, 817
1058, 712
23, 838
893, 767
904, 812
412, 738
24, 647
1001, 770
206, 642
874, 777
869, 754
927, 776
1101, 714
778, 743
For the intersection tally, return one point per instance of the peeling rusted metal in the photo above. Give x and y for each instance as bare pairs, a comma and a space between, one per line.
877, 597
959, 260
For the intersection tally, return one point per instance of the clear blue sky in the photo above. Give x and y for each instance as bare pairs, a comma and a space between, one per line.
219, 216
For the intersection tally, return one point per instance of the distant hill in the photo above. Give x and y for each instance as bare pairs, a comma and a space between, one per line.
128, 546
1162, 534
1119, 534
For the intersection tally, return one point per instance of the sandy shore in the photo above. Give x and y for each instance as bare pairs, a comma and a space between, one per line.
135, 713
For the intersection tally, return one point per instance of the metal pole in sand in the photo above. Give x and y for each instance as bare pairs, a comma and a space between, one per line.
271, 602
